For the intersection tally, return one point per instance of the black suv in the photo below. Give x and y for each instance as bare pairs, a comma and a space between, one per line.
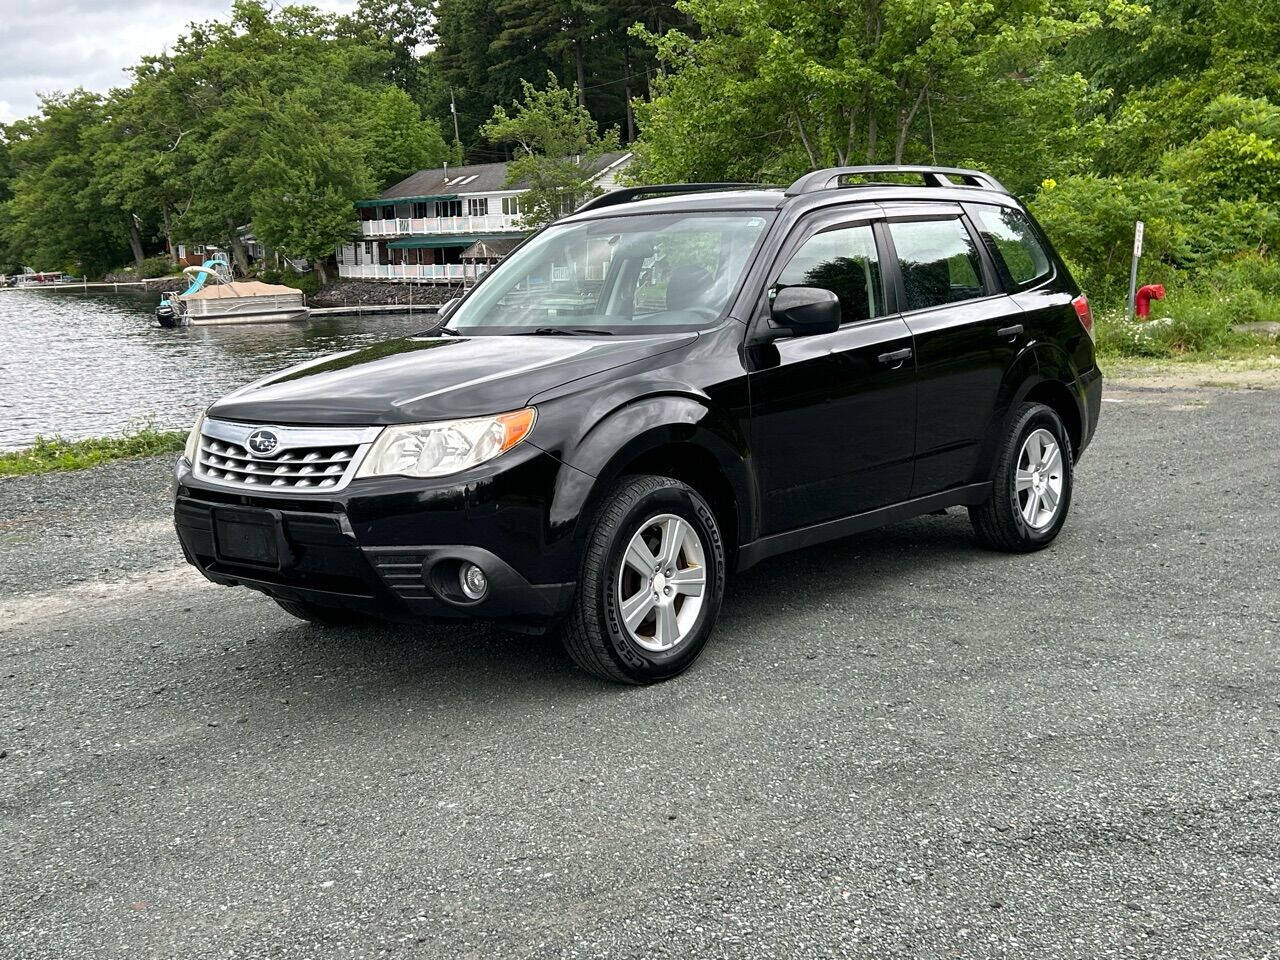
672, 383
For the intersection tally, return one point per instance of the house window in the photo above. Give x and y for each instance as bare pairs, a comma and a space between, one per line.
448, 208
420, 211
511, 206
478, 206
388, 212
368, 251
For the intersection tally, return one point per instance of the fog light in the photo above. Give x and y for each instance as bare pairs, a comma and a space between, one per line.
473, 581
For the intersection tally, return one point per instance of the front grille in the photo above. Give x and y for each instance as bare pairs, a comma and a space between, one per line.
302, 458
314, 467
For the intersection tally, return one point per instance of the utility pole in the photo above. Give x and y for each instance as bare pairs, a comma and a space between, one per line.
453, 108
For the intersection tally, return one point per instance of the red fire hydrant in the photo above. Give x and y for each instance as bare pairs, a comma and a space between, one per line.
1142, 302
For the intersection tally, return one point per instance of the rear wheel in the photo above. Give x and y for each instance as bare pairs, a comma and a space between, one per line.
314, 613
1032, 490
652, 580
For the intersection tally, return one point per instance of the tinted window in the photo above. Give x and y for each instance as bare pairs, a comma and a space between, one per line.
843, 261
939, 262
1013, 243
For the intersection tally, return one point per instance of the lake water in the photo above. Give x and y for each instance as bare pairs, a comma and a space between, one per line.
85, 365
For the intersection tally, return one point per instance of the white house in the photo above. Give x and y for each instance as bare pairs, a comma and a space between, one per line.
447, 224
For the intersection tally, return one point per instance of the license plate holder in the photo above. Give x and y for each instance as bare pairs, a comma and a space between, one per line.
252, 538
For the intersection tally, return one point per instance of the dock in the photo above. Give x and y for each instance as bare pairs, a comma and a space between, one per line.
356, 309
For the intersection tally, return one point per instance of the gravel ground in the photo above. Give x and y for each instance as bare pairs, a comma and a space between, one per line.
898, 744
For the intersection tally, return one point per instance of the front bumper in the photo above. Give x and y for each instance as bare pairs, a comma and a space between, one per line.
392, 547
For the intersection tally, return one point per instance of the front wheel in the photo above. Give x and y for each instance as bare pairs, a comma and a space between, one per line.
1032, 489
653, 576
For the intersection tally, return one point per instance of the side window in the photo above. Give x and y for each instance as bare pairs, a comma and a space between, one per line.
939, 262
1020, 258
843, 261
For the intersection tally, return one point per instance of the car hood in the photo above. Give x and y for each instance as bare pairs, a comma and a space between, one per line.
417, 379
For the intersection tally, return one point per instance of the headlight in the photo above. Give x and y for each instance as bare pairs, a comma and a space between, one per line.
448, 446
193, 441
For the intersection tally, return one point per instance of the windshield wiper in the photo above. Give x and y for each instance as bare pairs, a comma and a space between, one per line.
564, 332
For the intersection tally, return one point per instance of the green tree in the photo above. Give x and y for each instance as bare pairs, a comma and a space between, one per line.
56, 218
769, 89
305, 182
397, 140
556, 143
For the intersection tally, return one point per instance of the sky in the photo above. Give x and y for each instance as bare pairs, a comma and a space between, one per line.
48, 46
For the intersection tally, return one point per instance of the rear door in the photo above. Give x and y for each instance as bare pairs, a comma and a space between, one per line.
833, 415
966, 332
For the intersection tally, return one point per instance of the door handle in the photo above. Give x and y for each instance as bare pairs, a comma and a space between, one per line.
1012, 331
895, 357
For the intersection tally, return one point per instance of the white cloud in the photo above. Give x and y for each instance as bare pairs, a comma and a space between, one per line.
47, 46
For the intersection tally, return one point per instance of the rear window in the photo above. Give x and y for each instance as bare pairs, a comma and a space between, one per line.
1020, 258
938, 260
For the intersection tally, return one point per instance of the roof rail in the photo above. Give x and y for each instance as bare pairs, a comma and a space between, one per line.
628, 194
830, 178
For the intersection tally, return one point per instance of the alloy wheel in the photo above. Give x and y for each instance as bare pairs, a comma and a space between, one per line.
661, 583
1038, 480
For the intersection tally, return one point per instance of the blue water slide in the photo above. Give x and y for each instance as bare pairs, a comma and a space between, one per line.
199, 275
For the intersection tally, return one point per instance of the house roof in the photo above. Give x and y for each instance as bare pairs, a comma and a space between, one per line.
446, 183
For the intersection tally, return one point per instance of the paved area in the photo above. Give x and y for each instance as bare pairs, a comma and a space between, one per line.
897, 746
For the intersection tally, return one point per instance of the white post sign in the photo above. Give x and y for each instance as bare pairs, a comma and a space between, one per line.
1139, 228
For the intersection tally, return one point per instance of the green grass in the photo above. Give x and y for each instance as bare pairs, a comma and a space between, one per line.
48, 454
1197, 325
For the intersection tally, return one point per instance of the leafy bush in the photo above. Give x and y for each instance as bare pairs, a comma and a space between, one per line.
153, 267
308, 283
1090, 220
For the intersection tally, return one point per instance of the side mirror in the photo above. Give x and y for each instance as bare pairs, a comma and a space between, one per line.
446, 308
806, 310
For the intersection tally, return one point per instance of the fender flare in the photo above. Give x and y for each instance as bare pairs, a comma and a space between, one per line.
641, 426
1040, 362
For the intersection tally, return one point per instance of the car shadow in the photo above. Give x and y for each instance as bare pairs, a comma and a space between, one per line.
478, 660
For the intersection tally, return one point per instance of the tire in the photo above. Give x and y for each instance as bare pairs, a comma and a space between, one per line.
1010, 520
604, 633
317, 614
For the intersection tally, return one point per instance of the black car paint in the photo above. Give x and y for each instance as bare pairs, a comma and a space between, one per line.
811, 437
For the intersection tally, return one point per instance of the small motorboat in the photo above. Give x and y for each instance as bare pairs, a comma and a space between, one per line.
213, 297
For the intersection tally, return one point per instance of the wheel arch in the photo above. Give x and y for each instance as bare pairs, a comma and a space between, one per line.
670, 435
1055, 385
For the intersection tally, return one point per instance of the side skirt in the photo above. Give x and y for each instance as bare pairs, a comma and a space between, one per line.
757, 550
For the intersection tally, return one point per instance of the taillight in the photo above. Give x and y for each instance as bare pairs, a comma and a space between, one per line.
1081, 303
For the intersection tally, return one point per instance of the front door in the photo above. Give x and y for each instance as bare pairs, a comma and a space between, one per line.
833, 415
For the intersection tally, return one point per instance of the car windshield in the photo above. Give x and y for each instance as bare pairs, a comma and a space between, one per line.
649, 273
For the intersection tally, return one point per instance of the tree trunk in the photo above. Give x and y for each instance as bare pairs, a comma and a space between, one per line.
871, 138
135, 241
238, 253
904, 124
580, 63
320, 272
626, 91
168, 236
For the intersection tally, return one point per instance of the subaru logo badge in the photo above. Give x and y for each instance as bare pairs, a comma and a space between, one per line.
262, 443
